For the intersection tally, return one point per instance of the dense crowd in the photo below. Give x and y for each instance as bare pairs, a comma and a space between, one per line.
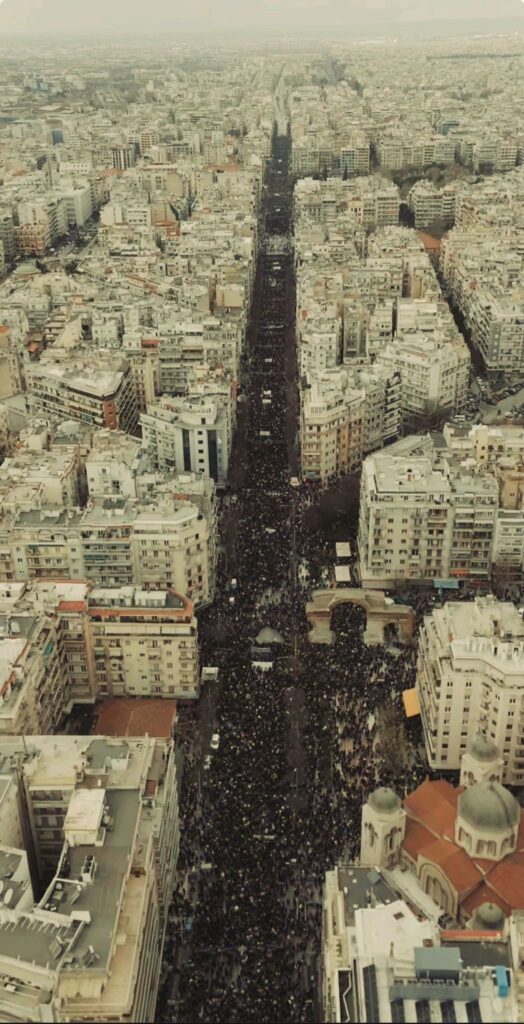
299, 746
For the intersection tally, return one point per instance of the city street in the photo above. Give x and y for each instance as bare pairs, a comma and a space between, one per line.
277, 802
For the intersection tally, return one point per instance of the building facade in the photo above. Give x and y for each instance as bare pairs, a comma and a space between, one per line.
100, 826
470, 679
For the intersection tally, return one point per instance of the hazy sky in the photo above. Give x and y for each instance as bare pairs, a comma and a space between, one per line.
270, 15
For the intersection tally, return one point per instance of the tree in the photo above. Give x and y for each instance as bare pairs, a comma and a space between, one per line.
392, 742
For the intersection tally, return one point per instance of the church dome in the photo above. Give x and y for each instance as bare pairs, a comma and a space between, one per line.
489, 807
488, 915
384, 800
482, 748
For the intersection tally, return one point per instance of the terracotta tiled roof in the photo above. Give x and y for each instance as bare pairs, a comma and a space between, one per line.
455, 863
484, 894
430, 830
434, 804
417, 838
72, 606
507, 880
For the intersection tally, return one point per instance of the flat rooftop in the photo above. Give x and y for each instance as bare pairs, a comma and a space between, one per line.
357, 883
129, 716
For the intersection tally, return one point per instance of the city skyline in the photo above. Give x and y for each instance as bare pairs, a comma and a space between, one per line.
56, 16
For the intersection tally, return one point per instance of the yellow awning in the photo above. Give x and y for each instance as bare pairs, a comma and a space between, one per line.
411, 703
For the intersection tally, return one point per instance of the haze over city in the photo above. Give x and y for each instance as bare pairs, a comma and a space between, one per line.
132, 16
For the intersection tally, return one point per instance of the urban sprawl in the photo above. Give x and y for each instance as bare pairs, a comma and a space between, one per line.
262, 532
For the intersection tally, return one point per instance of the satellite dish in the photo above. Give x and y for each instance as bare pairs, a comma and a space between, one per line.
8, 897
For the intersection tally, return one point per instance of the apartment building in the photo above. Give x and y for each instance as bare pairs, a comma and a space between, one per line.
431, 204
53, 475
395, 153
470, 680
483, 272
64, 642
355, 157
331, 427
41, 221
434, 374
491, 152
423, 519
371, 201
500, 450
98, 391
346, 412
118, 465
100, 826
33, 682
144, 643
165, 542
192, 433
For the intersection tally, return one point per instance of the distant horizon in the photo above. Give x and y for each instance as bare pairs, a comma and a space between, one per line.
374, 19
410, 30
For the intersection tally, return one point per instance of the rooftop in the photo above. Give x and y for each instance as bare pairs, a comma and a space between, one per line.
126, 716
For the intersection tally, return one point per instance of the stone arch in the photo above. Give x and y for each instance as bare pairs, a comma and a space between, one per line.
390, 631
380, 613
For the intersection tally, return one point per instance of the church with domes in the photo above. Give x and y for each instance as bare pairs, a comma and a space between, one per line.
464, 844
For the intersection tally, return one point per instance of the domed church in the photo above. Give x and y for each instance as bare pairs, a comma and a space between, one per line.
465, 844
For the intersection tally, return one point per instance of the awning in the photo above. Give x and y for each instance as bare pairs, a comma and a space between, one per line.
411, 703
343, 549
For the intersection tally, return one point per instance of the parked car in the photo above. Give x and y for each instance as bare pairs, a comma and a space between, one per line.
215, 741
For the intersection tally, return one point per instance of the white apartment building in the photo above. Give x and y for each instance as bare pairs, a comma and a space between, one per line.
117, 464
470, 679
434, 373
355, 157
371, 201
33, 685
429, 203
193, 433
100, 826
423, 520
319, 344
396, 153
41, 221
483, 272
166, 542
144, 643
99, 391
496, 152
54, 475
345, 413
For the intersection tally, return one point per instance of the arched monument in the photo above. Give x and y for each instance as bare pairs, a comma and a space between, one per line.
384, 618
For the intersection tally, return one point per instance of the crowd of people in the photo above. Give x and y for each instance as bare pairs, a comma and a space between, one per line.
300, 745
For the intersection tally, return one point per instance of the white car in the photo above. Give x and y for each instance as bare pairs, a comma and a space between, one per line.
215, 740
